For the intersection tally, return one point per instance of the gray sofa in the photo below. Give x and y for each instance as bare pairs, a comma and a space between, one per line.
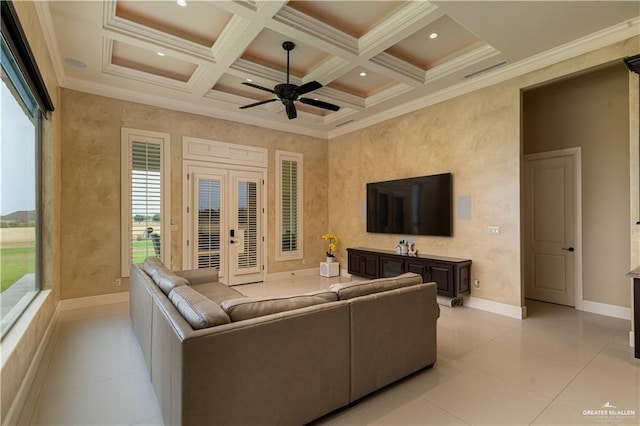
216, 356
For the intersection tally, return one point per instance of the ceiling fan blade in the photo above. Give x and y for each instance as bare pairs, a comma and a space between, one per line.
319, 104
258, 87
258, 103
291, 110
308, 87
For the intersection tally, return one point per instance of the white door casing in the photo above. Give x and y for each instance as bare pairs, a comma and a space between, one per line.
223, 190
225, 222
552, 227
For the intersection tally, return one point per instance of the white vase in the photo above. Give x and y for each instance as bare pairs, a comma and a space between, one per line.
330, 259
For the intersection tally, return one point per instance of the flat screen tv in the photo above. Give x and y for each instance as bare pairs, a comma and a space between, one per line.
413, 206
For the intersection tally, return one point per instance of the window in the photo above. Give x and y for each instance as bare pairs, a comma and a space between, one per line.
145, 197
289, 183
24, 103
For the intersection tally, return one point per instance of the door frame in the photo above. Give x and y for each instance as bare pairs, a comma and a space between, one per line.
576, 154
186, 215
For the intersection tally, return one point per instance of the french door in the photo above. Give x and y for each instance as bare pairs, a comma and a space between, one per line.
225, 222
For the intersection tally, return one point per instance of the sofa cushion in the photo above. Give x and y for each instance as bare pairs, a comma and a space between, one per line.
360, 288
252, 307
167, 282
199, 311
161, 275
151, 264
217, 292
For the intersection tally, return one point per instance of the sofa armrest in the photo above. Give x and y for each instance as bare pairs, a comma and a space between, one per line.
199, 276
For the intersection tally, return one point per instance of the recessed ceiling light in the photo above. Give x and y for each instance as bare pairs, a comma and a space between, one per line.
249, 80
182, 2
434, 35
362, 74
160, 54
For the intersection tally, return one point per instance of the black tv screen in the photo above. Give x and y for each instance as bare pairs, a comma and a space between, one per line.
413, 206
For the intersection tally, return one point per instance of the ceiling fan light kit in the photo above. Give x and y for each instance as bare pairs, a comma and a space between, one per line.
289, 93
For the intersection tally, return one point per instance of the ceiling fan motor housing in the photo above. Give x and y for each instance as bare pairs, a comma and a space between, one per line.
286, 91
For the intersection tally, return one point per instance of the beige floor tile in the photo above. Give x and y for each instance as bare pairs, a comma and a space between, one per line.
558, 343
490, 370
395, 406
455, 342
122, 401
442, 372
590, 391
557, 414
479, 398
534, 372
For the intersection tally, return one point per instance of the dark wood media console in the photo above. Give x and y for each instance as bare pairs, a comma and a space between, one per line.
452, 275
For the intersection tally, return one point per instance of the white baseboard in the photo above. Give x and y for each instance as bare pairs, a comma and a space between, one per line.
297, 273
518, 312
608, 310
86, 302
25, 387
632, 339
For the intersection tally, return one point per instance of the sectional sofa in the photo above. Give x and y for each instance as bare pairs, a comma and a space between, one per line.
216, 356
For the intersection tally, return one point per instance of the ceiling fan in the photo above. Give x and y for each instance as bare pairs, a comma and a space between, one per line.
288, 93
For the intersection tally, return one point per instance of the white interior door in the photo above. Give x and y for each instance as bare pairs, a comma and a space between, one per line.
550, 227
225, 216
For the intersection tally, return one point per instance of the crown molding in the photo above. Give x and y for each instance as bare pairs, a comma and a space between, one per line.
408, 19
309, 25
188, 107
597, 40
461, 62
125, 72
112, 22
398, 65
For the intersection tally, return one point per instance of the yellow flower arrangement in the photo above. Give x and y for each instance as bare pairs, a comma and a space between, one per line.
333, 243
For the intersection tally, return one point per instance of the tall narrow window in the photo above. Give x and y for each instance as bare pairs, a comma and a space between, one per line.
145, 197
289, 212
24, 105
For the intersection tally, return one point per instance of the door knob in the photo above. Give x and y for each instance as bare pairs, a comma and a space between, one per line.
568, 248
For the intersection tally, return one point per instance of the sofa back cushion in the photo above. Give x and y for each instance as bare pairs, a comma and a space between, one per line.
196, 309
151, 264
360, 288
252, 307
162, 276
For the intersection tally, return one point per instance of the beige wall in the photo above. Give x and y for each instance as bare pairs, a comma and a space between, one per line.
591, 111
91, 184
477, 138
16, 363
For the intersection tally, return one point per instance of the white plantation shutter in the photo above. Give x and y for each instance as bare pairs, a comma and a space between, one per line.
146, 236
289, 212
145, 197
209, 202
248, 223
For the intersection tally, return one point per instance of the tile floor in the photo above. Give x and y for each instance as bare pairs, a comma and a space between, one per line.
546, 370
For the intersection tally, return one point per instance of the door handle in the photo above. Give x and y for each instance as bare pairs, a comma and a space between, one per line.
568, 249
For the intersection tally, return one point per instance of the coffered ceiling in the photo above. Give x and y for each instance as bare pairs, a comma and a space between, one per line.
376, 59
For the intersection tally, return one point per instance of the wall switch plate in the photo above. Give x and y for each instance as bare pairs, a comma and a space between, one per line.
117, 282
493, 230
476, 283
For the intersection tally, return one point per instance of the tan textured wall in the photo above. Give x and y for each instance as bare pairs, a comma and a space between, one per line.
15, 366
91, 184
591, 111
477, 138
